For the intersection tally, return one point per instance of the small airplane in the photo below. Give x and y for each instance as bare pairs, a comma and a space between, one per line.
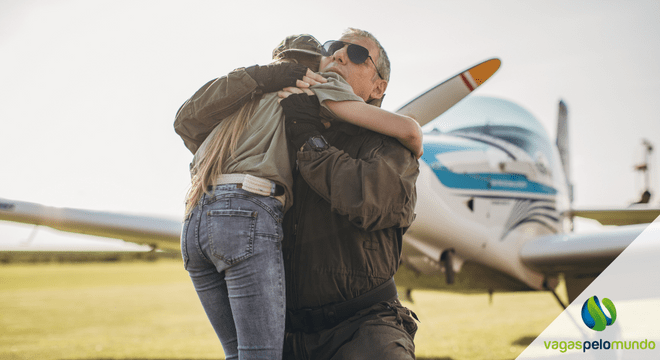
496, 213
494, 202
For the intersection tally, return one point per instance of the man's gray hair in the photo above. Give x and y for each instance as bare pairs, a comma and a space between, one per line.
383, 63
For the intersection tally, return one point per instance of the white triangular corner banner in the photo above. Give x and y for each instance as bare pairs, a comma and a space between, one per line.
632, 284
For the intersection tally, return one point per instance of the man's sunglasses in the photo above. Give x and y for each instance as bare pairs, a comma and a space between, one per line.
356, 53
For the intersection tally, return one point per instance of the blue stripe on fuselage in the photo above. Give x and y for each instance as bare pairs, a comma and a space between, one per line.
479, 181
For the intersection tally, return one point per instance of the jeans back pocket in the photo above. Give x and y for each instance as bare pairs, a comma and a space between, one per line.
231, 234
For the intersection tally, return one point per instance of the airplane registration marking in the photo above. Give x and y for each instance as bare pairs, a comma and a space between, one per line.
489, 181
508, 183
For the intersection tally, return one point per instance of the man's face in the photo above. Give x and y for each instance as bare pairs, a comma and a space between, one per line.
363, 78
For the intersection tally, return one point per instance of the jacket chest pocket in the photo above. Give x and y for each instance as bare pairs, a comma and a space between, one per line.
231, 234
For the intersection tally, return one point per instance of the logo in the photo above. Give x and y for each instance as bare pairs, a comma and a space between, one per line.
594, 316
597, 319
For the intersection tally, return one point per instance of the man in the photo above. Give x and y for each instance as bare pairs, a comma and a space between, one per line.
354, 196
353, 199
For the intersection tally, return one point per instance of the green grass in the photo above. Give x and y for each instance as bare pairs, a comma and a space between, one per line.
149, 310
458, 326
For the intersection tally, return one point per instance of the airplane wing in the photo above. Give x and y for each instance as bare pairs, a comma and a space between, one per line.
578, 253
580, 257
440, 98
154, 231
626, 216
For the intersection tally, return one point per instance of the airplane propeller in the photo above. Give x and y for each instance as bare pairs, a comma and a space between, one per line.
435, 101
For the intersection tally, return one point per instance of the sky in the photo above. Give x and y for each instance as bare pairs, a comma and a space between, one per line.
90, 89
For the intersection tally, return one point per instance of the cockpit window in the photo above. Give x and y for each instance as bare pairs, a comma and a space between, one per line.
498, 118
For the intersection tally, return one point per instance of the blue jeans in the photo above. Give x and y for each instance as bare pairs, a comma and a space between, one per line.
231, 247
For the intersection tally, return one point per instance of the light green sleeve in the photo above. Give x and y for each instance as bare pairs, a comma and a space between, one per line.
336, 89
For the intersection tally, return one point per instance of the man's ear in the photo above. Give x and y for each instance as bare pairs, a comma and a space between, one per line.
378, 90
377, 102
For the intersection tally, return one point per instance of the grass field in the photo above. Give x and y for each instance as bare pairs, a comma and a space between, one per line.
149, 310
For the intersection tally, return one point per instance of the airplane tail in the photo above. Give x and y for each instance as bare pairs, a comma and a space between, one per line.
563, 146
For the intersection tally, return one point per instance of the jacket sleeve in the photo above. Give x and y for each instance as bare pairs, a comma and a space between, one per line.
212, 103
375, 191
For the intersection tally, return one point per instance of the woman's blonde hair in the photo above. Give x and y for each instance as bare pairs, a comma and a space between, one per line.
209, 164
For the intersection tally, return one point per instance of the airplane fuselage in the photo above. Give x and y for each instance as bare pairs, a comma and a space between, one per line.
488, 188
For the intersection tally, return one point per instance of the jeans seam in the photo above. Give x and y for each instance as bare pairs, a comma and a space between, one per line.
184, 240
254, 199
197, 244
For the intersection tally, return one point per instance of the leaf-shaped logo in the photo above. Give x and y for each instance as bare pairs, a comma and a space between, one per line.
594, 316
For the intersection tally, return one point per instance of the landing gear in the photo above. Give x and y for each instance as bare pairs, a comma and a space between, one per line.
644, 169
408, 296
545, 286
447, 260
